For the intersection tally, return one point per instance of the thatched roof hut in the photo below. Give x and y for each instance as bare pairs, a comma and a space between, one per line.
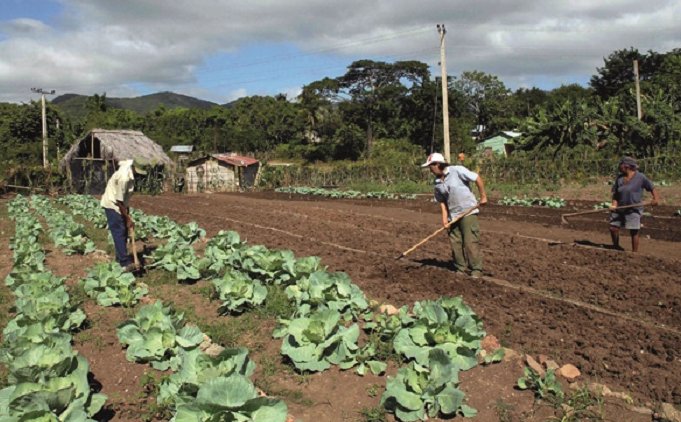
93, 158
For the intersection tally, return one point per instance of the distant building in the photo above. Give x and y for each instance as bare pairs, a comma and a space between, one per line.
181, 150
221, 173
92, 159
477, 131
501, 143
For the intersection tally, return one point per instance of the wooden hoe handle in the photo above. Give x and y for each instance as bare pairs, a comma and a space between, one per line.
134, 248
606, 209
441, 229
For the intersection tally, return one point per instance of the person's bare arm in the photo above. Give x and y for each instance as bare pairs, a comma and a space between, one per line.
481, 188
445, 213
656, 197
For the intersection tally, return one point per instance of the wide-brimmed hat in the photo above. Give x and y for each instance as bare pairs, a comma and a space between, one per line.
139, 166
433, 158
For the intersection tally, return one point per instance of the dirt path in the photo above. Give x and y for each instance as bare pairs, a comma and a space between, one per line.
615, 315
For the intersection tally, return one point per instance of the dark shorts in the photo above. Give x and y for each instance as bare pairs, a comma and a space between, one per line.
629, 220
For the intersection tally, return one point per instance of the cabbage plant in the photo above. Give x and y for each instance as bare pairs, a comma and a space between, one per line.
238, 292
197, 368
421, 392
230, 398
110, 285
64, 397
447, 324
179, 258
156, 335
316, 342
222, 251
323, 290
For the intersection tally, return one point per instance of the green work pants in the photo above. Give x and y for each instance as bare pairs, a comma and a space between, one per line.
464, 236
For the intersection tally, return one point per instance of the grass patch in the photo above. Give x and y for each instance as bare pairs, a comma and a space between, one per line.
150, 409
372, 414
228, 331
582, 405
77, 293
277, 304
159, 278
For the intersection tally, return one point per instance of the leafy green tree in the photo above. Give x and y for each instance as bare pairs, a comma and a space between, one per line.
617, 72
561, 125
486, 98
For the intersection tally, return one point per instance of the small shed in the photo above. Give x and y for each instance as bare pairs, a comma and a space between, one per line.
221, 173
92, 159
501, 143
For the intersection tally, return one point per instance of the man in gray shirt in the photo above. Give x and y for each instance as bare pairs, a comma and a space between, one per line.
454, 194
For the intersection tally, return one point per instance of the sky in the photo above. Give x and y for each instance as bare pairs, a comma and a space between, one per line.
221, 50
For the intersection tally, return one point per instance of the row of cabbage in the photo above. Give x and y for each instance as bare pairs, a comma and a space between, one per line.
436, 339
345, 194
64, 232
203, 387
544, 201
48, 379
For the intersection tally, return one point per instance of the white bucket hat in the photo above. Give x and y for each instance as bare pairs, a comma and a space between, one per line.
435, 157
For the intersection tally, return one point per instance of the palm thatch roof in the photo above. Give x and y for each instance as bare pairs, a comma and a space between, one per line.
117, 145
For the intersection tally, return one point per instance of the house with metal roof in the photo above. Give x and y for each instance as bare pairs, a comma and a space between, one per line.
502, 143
221, 173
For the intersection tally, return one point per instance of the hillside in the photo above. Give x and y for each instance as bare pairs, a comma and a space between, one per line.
74, 105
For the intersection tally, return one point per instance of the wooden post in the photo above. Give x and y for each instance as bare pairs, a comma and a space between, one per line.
45, 161
639, 113
445, 92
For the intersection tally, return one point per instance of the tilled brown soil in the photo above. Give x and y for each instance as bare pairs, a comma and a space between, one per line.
615, 315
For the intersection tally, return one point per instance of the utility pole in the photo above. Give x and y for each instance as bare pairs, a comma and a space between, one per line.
42, 93
445, 91
639, 113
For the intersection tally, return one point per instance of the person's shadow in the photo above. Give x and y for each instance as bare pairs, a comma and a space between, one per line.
433, 262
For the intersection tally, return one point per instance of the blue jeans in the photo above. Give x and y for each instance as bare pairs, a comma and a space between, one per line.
119, 233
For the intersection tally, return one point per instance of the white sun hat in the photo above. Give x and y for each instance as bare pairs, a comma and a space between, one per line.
435, 157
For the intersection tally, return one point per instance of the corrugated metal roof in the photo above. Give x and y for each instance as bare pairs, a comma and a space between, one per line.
182, 148
235, 160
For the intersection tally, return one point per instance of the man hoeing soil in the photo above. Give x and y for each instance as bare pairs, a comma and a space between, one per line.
454, 194
115, 200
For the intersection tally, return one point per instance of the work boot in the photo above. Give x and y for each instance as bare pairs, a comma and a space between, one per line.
476, 274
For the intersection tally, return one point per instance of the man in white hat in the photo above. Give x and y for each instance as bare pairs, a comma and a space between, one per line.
454, 194
115, 200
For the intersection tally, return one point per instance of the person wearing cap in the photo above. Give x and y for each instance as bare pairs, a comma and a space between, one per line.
453, 193
628, 190
115, 201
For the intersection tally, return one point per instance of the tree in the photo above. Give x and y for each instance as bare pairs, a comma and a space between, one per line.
486, 98
374, 89
617, 72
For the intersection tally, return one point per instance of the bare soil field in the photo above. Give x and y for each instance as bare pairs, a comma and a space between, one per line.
552, 289
548, 288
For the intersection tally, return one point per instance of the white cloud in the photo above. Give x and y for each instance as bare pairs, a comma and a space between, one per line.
101, 45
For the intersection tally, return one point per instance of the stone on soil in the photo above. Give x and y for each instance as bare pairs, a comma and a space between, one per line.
669, 413
534, 365
569, 372
490, 344
388, 309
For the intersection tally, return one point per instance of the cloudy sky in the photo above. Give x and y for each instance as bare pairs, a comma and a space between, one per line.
220, 50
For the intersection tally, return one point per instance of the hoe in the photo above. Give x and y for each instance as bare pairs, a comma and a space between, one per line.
563, 217
454, 220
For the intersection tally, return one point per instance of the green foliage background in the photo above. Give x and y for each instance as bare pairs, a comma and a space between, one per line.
379, 119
